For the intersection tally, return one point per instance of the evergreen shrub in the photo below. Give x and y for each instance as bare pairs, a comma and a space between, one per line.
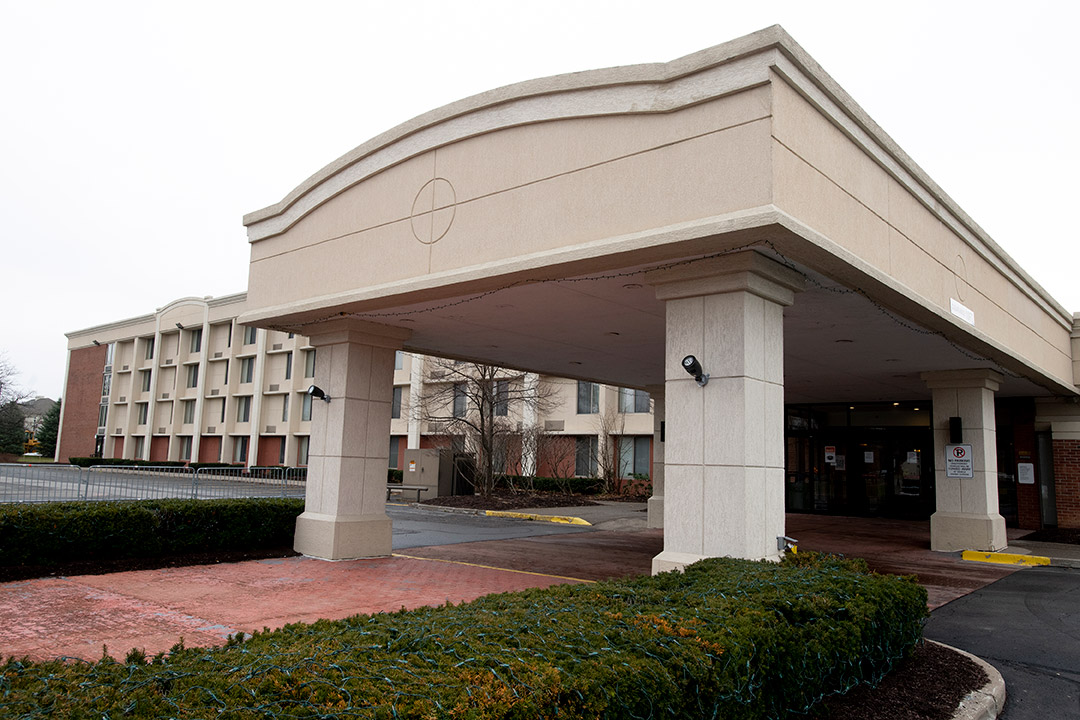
729, 639
50, 533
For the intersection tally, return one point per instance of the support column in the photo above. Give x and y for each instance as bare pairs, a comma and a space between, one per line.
724, 449
656, 502
345, 511
967, 515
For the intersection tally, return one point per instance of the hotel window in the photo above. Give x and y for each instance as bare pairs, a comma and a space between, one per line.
398, 356
141, 410
502, 398
196, 340
189, 412
309, 364
222, 410
585, 456
633, 401
106, 384
305, 408
241, 449
284, 408
193, 375
247, 369
110, 353
281, 452
102, 415
140, 445
288, 365
302, 450
243, 408
394, 445
144, 376
588, 398
249, 335
149, 348
185, 447
634, 455
395, 403
459, 400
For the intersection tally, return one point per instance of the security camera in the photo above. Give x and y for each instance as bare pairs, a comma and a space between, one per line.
691, 365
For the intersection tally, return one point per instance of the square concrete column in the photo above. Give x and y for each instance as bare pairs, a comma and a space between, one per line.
967, 515
656, 501
345, 510
724, 441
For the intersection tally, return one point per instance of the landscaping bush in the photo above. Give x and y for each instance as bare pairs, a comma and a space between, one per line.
727, 639
53, 533
581, 486
395, 476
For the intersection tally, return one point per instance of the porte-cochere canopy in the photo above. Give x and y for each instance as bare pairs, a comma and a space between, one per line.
735, 204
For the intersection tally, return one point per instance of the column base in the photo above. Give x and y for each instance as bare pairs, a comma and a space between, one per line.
953, 532
671, 560
343, 537
656, 512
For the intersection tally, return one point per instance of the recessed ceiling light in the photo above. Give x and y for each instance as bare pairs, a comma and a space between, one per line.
612, 332
916, 409
894, 404
633, 286
574, 362
845, 341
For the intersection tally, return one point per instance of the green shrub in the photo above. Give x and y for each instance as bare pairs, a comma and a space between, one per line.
579, 485
726, 639
52, 533
394, 475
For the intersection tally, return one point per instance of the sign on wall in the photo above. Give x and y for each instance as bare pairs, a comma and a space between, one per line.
958, 462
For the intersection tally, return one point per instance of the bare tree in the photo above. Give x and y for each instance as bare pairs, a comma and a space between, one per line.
480, 406
609, 425
9, 389
557, 454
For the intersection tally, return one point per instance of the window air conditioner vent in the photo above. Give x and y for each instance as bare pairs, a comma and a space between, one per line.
435, 427
123, 398
168, 361
126, 367
274, 388
554, 424
217, 355
118, 432
271, 428
161, 431
214, 391
436, 374
277, 346
164, 396
211, 430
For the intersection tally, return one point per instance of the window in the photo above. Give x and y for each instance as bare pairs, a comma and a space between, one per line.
140, 445
193, 375
302, 450
226, 380
110, 353
247, 369
149, 344
309, 364
145, 378
141, 410
189, 412
222, 410
633, 401
585, 456
281, 452
106, 384
243, 409
288, 365
305, 408
459, 400
240, 449
394, 445
284, 410
292, 335
102, 415
588, 398
634, 455
185, 447
249, 335
196, 340
395, 404
228, 339
502, 398
398, 357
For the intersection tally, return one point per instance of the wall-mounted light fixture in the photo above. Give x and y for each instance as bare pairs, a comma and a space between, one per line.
691, 365
179, 326
317, 392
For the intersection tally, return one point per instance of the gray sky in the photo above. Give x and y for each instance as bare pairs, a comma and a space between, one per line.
137, 134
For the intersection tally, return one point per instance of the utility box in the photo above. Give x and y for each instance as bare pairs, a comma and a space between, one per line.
431, 467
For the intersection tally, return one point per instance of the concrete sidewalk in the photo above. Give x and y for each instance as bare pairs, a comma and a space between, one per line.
152, 609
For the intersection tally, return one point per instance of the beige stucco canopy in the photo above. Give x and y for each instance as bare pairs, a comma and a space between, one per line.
556, 225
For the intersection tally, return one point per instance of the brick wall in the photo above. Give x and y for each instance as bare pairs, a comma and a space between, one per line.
82, 396
1067, 482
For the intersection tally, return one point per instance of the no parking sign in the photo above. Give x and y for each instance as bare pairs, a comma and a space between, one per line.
958, 462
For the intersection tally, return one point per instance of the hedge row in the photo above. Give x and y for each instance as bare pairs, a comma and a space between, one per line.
50, 533
579, 485
728, 639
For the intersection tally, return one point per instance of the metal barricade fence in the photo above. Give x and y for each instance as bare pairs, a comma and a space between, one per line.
41, 483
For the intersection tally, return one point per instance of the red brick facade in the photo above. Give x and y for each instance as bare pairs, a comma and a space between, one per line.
82, 396
1067, 482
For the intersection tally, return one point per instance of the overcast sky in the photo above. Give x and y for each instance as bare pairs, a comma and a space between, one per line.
137, 134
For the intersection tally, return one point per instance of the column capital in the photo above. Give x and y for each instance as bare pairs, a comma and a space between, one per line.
973, 378
352, 330
748, 271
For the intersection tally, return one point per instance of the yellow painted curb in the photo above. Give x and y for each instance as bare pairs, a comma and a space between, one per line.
492, 567
566, 520
1005, 558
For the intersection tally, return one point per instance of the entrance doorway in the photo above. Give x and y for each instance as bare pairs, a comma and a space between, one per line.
871, 460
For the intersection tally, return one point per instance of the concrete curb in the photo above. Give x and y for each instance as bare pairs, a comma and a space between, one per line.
563, 519
987, 702
1000, 558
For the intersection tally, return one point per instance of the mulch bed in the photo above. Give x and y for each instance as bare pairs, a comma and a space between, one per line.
505, 500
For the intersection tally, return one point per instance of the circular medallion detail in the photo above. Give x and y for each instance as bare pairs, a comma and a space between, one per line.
433, 211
